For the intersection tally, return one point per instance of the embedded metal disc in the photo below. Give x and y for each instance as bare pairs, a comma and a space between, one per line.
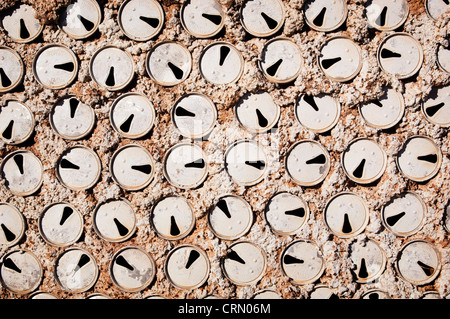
257, 112
364, 161
12, 225
385, 112
286, 213
302, 262
404, 214
20, 271
141, 20
419, 262
346, 215
173, 217
20, 23
16, 122
23, 172
185, 166
370, 260
76, 270
281, 60
436, 106
80, 19
187, 267
12, 69
340, 59
55, 66
325, 15
114, 220
246, 162
387, 15
111, 68
132, 269
132, 115
168, 63
436, 8
419, 159
78, 168
61, 224
221, 63
202, 18
231, 217
400, 55
72, 119
244, 263
194, 115
262, 18
132, 167
308, 162
317, 113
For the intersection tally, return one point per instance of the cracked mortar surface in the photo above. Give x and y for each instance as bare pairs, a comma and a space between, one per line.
366, 86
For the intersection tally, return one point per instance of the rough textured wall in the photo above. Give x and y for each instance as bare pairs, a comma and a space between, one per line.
366, 86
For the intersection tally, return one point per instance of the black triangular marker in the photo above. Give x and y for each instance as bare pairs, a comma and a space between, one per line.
377, 103
386, 54
146, 168
4, 78
67, 164
224, 51
18, 159
381, 20
121, 261
262, 121
358, 172
9, 235
426, 269
256, 164
214, 18
310, 100
7, 133
333, 296
11, 265
318, 20
125, 126
299, 212
432, 110
328, 63
200, 163
120, 227
68, 66
193, 256
181, 111
67, 211
73, 104
392, 220
346, 227
88, 25
363, 269
288, 260
110, 80
174, 230
319, 159
272, 70
84, 259
222, 204
234, 256
24, 34
431, 158
271, 23
176, 70
446, 2
153, 22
